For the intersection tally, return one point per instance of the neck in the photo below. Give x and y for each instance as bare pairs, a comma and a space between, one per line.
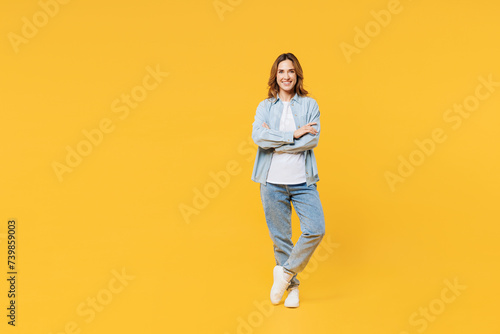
285, 96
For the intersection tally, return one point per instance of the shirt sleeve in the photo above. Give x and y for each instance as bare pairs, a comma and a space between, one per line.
307, 141
268, 138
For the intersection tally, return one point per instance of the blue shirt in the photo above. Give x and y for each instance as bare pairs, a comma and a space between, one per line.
305, 110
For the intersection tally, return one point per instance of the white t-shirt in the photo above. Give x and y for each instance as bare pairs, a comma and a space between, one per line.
287, 168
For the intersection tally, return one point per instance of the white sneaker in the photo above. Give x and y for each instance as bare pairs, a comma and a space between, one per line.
292, 300
279, 286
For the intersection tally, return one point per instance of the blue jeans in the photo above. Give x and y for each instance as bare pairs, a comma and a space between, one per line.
277, 200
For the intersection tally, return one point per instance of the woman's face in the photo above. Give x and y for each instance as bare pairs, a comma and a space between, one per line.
286, 76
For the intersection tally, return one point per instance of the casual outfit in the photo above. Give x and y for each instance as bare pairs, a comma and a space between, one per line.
304, 110
286, 169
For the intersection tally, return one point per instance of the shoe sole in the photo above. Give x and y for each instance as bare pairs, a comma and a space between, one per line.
291, 306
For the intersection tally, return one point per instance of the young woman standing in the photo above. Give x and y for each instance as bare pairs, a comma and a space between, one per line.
286, 129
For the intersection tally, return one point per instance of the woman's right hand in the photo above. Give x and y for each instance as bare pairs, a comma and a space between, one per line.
305, 129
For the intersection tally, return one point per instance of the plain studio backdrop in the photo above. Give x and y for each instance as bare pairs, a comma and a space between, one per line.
126, 163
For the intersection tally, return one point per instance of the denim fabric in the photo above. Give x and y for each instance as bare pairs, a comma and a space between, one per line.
305, 110
277, 200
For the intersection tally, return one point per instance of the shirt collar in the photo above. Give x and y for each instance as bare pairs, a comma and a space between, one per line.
295, 98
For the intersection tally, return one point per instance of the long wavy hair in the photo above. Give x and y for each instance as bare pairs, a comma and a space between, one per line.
273, 84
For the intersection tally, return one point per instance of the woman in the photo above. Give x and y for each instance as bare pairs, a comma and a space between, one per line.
286, 129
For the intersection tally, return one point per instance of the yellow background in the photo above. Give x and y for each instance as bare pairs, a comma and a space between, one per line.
120, 208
